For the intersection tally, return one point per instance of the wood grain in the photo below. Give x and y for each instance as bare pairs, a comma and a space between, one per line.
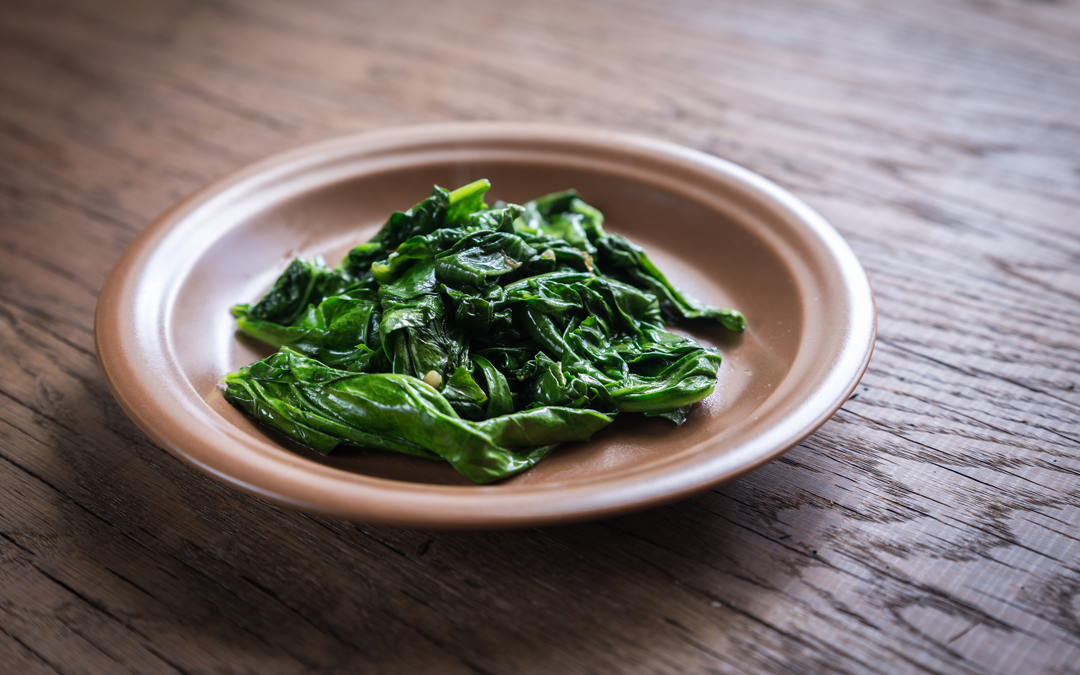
932, 526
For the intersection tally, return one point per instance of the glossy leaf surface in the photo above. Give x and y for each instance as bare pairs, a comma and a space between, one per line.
481, 335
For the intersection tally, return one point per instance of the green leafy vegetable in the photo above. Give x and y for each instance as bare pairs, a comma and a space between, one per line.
323, 407
484, 336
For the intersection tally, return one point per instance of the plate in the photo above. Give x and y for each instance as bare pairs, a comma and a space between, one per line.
729, 237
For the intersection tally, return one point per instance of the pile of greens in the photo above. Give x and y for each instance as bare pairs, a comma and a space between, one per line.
481, 335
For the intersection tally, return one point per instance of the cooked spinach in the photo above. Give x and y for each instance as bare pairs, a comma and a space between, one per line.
481, 335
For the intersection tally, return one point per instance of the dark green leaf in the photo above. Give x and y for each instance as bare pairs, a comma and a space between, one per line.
531, 321
623, 258
300, 398
303, 283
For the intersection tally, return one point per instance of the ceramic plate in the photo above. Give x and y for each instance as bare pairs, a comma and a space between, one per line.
729, 237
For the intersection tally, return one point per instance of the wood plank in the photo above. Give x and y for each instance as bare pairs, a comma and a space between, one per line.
933, 525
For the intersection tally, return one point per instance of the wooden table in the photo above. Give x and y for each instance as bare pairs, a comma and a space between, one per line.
933, 525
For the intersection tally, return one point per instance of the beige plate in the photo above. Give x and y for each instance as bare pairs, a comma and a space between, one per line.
729, 237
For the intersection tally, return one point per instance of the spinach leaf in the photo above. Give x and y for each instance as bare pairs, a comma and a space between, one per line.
466, 200
566, 216
479, 257
417, 338
465, 395
438, 210
303, 282
342, 331
500, 400
629, 261
323, 408
484, 336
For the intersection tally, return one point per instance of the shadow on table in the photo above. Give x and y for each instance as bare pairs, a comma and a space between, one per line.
208, 578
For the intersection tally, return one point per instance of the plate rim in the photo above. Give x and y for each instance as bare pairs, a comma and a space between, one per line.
367, 498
